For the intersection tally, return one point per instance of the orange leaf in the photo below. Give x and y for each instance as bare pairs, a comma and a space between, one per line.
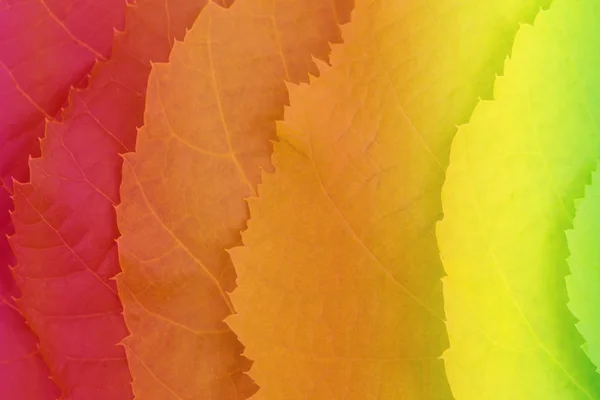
339, 277
65, 219
209, 118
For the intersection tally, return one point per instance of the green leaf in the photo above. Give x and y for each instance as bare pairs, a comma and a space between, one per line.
583, 284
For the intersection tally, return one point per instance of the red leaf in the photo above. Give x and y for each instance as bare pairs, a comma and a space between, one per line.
23, 374
65, 219
46, 46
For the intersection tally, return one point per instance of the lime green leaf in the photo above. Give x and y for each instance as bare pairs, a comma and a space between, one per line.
584, 282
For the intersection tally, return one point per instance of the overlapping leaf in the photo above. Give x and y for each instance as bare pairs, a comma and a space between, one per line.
514, 172
584, 263
23, 374
65, 219
339, 279
315, 258
209, 118
46, 46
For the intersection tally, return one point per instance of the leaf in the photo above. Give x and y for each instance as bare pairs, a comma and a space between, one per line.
65, 219
209, 118
584, 259
514, 172
46, 46
23, 374
341, 248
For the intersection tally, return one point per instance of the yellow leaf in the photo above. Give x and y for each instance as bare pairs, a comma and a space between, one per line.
515, 171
